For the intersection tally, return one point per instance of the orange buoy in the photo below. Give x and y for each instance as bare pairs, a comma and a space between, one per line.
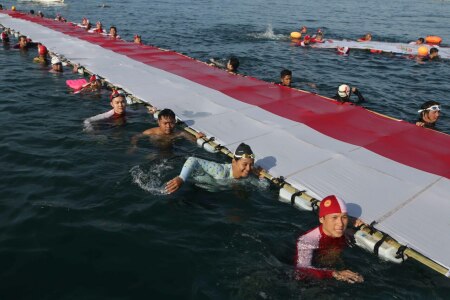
422, 51
375, 51
433, 40
295, 35
13, 8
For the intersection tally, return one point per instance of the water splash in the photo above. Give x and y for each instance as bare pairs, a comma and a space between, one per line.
151, 180
268, 34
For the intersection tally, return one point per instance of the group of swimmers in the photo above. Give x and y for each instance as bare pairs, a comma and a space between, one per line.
318, 37
317, 250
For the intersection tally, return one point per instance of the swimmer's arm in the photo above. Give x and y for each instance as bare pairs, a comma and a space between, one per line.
358, 93
304, 266
189, 166
216, 63
191, 137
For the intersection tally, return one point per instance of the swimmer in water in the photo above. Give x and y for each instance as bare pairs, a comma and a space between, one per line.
42, 55
117, 114
231, 66
303, 30
93, 85
318, 38
344, 92
98, 28
306, 41
113, 32
319, 250
286, 78
242, 165
420, 41
5, 38
24, 43
434, 54
366, 38
166, 128
137, 39
57, 66
429, 113
40, 14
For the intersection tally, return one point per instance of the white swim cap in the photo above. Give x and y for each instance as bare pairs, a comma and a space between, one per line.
55, 60
344, 91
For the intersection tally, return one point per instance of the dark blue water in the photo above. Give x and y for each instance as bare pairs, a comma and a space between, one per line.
81, 216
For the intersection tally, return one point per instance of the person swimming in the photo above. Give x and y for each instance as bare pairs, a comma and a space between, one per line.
117, 114
434, 54
42, 57
57, 66
137, 39
113, 32
231, 66
242, 165
429, 114
345, 91
319, 250
366, 38
419, 41
286, 78
98, 28
24, 43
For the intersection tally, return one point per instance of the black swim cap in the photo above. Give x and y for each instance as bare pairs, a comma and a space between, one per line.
243, 151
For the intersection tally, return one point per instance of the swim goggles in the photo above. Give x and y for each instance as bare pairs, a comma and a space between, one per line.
433, 108
252, 156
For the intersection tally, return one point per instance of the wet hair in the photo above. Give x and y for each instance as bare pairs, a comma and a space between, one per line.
31, 12
285, 72
22, 37
166, 113
234, 62
113, 27
434, 50
422, 40
426, 105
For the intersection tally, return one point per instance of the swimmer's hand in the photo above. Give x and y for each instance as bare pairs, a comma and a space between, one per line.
173, 185
199, 135
357, 223
258, 171
348, 276
152, 109
354, 90
420, 124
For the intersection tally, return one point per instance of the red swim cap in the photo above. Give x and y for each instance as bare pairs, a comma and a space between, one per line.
92, 78
307, 37
331, 205
42, 50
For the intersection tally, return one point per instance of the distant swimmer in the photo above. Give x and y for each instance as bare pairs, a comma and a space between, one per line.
303, 30
343, 50
137, 39
5, 38
242, 165
98, 28
60, 18
42, 57
319, 250
57, 66
94, 85
286, 78
366, 38
434, 54
429, 113
113, 32
231, 66
318, 38
24, 43
419, 41
345, 91
306, 41
40, 14
116, 115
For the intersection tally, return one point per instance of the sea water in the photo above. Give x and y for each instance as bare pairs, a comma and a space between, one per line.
83, 215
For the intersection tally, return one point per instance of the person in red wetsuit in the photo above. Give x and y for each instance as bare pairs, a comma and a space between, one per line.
365, 38
320, 248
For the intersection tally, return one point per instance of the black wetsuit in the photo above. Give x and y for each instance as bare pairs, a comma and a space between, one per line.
347, 99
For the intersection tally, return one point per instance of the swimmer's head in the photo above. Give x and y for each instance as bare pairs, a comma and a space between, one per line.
420, 41
233, 64
430, 111
56, 64
137, 39
304, 29
113, 31
333, 216
31, 12
23, 41
343, 50
243, 161
118, 102
286, 77
167, 121
99, 25
344, 91
434, 52
42, 50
